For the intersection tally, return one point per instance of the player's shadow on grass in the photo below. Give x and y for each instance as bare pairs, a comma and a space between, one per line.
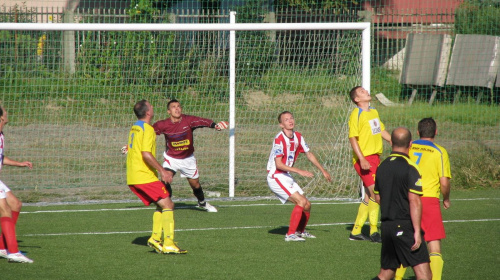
178, 206
22, 246
364, 230
141, 241
280, 230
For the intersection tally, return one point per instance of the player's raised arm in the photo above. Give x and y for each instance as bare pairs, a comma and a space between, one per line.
221, 125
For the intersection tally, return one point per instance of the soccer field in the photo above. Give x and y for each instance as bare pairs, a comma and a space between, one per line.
244, 240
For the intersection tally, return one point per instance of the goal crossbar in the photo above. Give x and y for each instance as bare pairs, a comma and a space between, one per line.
232, 27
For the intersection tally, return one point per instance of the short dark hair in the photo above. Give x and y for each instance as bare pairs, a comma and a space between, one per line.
354, 93
401, 137
141, 108
282, 113
427, 128
1, 111
172, 101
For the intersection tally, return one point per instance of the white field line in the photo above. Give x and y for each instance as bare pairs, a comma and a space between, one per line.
221, 228
219, 206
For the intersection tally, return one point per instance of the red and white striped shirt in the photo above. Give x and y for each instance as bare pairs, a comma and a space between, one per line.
288, 149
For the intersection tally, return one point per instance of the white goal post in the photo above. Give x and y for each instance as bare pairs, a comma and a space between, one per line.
233, 28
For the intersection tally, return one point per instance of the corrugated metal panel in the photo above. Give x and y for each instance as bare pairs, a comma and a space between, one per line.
498, 79
474, 61
426, 59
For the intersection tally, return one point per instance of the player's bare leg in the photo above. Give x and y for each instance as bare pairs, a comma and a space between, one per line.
385, 274
423, 271
13, 210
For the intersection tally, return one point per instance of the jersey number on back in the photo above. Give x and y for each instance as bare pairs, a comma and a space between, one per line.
419, 156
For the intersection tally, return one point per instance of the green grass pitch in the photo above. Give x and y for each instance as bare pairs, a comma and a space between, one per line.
244, 240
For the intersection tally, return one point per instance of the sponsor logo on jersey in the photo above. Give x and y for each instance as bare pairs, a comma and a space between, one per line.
399, 233
418, 183
375, 126
290, 159
181, 143
278, 150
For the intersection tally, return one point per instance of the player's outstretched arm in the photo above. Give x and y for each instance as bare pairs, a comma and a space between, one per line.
9, 161
221, 125
312, 158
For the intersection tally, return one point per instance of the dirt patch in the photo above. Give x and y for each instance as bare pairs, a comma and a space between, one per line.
256, 99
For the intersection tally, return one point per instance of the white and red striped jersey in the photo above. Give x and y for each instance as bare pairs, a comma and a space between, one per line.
288, 149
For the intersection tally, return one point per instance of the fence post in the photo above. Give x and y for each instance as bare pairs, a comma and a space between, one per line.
69, 43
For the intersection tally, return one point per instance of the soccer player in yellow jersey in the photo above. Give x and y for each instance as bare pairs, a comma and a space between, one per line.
433, 161
365, 135
142, 179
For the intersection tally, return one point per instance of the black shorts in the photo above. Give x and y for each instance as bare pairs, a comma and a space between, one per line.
397, 239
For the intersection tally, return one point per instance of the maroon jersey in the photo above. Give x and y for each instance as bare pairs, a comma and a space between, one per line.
179, 136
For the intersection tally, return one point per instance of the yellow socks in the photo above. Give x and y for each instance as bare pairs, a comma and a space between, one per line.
400, 273
373, 210
168, 225
436, 265
360, 219
157, 226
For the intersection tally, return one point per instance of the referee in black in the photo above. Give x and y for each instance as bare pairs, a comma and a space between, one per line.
398, 189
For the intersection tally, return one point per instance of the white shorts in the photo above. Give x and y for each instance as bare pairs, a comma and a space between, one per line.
186, 166
3, 190
283, 186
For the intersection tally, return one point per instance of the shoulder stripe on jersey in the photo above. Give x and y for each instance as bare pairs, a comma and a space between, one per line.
427, 143
140, 123
359, 112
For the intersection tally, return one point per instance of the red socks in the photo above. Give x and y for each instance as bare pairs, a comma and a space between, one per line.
15, 216
295, 219
9, 234
303, 221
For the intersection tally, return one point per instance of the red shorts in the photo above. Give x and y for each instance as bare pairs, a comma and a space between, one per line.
432, 221
368, 176
150, 192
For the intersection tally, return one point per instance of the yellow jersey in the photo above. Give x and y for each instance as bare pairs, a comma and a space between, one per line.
433, 161
367, 128
142, 138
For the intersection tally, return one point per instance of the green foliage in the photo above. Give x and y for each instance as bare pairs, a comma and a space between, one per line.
320, 4
478, 17
475, 166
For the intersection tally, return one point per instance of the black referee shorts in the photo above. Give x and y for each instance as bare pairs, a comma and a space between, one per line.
397, 239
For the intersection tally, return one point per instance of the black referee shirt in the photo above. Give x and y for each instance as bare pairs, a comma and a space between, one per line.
396, 176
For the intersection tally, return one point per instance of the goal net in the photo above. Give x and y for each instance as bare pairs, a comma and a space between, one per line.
69, 90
